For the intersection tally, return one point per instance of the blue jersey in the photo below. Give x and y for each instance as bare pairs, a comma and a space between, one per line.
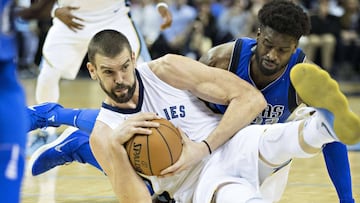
280, 94
7, 35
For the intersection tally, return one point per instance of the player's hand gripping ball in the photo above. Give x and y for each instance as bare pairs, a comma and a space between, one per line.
149, 154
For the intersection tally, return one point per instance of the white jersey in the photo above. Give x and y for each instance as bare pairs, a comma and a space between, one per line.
180, 107
95, 9
190, 114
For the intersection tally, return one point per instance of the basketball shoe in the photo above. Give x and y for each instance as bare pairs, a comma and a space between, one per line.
316, 88
59, 152
43, 115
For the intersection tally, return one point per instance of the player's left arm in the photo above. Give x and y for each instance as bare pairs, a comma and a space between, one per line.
214, 85
108, 148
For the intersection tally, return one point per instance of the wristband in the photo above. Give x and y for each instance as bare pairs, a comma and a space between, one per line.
208, 146
55, 6
162, 4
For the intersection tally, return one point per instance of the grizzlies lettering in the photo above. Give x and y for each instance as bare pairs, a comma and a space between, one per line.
174, 112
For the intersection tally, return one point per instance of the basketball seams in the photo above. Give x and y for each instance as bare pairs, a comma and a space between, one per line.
166, 142
148, 155
162, 149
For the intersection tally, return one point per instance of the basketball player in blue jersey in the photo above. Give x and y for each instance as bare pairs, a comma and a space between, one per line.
237, 167
272, 79
266, 62
14, 120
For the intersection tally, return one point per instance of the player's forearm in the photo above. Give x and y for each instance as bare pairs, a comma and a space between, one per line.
126, 184
240, 112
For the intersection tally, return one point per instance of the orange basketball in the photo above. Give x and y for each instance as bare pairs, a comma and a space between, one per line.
149, 154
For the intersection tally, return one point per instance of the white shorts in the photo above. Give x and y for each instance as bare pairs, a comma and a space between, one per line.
65, 50
199, 184
237, 161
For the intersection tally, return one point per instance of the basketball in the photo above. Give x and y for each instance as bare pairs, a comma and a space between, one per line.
149, 154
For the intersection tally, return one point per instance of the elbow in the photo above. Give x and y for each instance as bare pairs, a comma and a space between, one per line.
168, 59
259, 100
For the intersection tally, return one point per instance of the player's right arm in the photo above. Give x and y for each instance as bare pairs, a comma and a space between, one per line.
107, 145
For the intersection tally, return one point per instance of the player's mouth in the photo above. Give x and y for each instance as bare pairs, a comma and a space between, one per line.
121, 90
268, 64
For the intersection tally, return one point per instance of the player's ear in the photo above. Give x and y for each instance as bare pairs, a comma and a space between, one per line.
133, 56
92, 70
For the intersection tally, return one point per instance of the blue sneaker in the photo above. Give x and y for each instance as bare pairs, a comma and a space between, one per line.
317, 89
58, 152
43, 115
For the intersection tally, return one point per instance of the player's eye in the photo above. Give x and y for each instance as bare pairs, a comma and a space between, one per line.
107, 72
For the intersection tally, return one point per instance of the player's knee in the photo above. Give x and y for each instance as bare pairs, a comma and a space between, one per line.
241, 192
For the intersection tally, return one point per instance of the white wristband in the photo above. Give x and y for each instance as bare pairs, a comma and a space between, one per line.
56, 6
162, 4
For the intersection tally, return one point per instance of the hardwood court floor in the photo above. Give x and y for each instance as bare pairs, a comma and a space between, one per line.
75, 183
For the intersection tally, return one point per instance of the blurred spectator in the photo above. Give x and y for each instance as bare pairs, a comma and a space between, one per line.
173, 39
198, 43
350, 34
145, 15
208, 20
217, 7
323, 36
27, 39
236, 21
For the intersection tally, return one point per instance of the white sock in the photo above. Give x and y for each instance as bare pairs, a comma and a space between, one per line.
314, 134
282, 142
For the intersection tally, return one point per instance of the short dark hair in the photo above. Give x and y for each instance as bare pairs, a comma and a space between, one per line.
285, 17
108, 43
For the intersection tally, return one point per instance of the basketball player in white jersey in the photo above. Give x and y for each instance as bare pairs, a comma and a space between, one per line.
65, 46
169, 87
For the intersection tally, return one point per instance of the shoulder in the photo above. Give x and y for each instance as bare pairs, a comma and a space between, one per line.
219, 56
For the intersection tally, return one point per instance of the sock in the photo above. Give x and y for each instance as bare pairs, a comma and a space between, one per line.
337, 163
84, 119
279, 144
81, 151
84, 155
314, 135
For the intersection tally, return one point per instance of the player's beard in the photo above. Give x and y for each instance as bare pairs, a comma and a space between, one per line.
263, 69
123, 98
